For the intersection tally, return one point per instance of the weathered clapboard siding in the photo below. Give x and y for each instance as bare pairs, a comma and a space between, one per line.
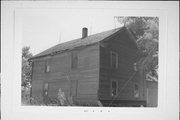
80, 82
87, 74
87, 87
37, 88
127, 53
40, 69
56, 84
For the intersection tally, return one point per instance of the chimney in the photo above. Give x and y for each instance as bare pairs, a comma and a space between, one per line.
84, 32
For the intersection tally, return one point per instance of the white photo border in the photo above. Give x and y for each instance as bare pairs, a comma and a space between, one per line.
11, 103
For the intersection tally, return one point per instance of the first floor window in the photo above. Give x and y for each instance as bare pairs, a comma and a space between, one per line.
114, 88
45, 93
46, 85
136, 91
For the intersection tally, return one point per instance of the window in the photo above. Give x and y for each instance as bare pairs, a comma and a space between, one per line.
114, 88
45, 92
136, 91
114, 60
46, 85
74, 60
135, 67
47, 67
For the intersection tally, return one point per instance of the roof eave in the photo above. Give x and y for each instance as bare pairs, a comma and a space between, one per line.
62, 51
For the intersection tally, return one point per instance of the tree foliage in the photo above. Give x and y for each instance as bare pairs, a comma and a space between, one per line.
146, 29
26, 67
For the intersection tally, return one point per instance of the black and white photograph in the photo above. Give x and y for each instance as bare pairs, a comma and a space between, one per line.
115, 67
110, 59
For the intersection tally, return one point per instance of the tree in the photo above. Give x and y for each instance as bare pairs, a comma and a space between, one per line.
146, 29
26, 67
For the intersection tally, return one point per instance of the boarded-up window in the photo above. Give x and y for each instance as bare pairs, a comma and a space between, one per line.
114, 60
74, 60
114, 88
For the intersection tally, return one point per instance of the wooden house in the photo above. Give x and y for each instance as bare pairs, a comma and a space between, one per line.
99, 69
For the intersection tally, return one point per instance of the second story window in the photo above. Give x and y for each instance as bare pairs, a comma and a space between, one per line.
47, 67
74, 61
114, 60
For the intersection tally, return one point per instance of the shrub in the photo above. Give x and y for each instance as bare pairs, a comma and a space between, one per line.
37, 101
25, 96
63, 100
59, 100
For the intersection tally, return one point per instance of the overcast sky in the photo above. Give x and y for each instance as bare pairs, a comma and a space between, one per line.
42, 29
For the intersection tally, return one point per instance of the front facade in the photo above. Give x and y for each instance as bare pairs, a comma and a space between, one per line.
97, 70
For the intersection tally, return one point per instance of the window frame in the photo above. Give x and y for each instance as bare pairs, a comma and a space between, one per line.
135, 66
47, 67
136, 91
116, 60
45, 88
117, 88
74, 60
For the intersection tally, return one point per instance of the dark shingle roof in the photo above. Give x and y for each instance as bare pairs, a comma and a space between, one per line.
78, 42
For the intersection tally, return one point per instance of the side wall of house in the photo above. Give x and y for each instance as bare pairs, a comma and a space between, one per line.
125, 75
81, 83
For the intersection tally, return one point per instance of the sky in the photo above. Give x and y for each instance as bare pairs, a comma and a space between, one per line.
42, 29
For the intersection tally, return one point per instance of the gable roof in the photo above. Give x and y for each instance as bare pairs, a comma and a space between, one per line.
89, 40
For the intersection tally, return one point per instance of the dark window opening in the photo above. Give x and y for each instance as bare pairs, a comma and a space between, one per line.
46, 85
114, 60
114, 88
136, 91
74, 61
